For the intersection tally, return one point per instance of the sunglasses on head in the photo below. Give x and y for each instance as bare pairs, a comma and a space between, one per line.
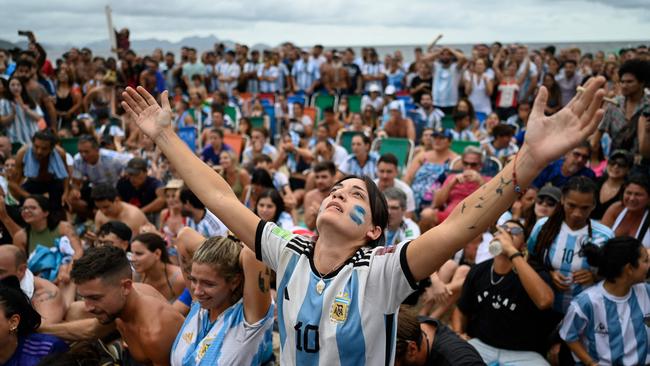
546, 201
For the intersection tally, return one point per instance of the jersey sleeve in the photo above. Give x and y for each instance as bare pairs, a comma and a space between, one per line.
573, 324
270, 240
532, 240
390, 279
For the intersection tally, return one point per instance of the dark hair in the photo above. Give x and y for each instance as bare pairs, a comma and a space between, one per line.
408, 330
364, 138
14, 301
45, 135
44, 203
89, 138
378, 206
552, 227
103, 192
326, 165
388, 158
217, 130
105, 262
638, 68
459, 116
613, 256
120, 229
23, 94
187, 196
502, 129
262, 177
261, 158
262, 130
6, 93
152, 242
640, 180
470, 108
328, 110
83, 353
569, 61
276, 199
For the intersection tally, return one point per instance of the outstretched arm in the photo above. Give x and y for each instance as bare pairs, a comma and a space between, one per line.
209, 187
547, 138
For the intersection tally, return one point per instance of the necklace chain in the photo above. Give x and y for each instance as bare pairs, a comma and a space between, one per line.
494, 283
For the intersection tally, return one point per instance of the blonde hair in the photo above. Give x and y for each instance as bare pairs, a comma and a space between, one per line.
222, 254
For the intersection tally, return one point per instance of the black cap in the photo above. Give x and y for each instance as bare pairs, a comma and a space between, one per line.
620, 153
136, 165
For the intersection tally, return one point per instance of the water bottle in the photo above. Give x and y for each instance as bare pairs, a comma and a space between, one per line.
495, 248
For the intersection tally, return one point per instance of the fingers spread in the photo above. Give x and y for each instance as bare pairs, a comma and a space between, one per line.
584, 99
147, 96
131, 103
595, 104
137, 98
164, 101
129, 111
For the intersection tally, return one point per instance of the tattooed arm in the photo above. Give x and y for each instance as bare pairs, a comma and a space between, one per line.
257, 280
48, 301
547, 138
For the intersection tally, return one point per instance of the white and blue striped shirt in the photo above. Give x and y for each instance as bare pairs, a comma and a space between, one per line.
351, 166
564, 255
373, 70
445, 84
209, 225
108, 168
305, 73
353, 320
614, 330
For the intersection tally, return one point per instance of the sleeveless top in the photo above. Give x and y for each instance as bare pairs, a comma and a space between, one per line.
45, 237
427, 175
644, 238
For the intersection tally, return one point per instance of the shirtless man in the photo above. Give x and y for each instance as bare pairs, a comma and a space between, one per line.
324, 173
147, 324
45, 296
111, 208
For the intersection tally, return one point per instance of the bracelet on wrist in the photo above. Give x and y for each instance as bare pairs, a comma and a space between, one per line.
515, 255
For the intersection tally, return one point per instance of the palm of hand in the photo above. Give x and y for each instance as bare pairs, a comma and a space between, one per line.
154, 119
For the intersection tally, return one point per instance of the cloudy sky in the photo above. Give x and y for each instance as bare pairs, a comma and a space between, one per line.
333, 22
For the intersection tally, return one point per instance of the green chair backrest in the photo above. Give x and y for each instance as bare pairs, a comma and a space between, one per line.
459, 146
345, 139
231, 112
400, 147
354, 103
448, 122
70, 145
15, 146
323, 101
257, 122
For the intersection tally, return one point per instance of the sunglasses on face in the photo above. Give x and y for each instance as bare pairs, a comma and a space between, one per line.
546, 201
471, 164
514, 230
618, 162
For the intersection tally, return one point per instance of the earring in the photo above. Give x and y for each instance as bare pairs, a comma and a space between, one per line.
13, 330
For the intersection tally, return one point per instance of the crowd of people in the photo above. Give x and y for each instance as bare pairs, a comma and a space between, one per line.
232, 206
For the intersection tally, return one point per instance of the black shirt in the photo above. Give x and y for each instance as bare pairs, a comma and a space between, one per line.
138, 197
449, 349
353, 76
503, 315
416, 82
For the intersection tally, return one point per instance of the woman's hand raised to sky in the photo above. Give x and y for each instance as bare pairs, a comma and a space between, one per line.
141, 107
549, 137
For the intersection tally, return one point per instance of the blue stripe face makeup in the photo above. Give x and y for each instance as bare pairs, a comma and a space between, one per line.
358, 215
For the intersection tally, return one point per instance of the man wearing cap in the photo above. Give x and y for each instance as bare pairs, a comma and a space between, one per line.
389, 97
140, 189
305, 74
573, 164
93, 165
397, 125
228, 72
373, 98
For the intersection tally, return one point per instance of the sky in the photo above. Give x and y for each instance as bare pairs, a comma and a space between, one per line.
332, 22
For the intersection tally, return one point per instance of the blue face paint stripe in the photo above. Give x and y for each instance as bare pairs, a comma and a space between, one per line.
614, 332
288, 272
350, 339
358, 214
639, 326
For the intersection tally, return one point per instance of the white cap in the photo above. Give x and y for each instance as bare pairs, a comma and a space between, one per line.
390, 90
394, 106
374, 88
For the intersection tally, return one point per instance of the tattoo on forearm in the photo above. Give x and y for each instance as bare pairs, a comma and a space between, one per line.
502, 184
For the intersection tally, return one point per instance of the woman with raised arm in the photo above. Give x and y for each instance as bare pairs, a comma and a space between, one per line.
337, 300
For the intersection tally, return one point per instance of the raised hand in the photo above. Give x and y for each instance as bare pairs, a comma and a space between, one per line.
548, 138
148, 115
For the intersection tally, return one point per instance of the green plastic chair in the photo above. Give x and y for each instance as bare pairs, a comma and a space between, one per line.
15, 146
354, 103
459, 146
344, 138
448, 122
322, 101
231, 112
70, 145
402, 148
257, 122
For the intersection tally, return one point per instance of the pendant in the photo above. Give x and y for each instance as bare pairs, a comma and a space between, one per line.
320, 286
